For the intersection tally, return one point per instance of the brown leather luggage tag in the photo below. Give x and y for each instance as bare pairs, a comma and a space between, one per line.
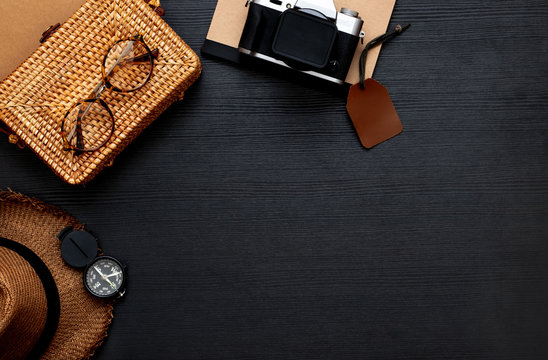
369, 105
373, 114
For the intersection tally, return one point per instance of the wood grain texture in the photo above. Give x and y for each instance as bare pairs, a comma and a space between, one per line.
255, 226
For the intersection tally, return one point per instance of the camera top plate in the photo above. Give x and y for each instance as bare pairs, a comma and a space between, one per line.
326, 7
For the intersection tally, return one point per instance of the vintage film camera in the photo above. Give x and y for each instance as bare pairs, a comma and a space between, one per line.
310, 36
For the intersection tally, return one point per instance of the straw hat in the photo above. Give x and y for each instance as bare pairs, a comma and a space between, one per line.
45, 311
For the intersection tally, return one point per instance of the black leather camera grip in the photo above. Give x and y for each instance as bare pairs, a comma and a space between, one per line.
259, 29
250, 31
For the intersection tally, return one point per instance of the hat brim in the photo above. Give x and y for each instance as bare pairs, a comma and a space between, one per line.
84, 319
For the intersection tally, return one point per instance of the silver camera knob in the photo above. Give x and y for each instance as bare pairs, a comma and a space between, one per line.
350, 12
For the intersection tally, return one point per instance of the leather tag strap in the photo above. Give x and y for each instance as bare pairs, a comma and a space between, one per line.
369, 104
376, 42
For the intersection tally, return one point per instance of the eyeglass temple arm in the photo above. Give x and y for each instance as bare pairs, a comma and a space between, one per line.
142, 58
79, 137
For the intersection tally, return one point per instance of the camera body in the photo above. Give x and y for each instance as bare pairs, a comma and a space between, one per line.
309, 36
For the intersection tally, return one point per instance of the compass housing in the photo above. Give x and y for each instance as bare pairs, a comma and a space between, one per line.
120, 287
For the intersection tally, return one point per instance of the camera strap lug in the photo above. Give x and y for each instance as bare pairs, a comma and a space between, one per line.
362, 36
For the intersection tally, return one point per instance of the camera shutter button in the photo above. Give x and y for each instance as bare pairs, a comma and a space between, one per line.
350, 12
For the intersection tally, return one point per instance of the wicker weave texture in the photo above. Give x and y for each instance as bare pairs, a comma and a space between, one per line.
67, 67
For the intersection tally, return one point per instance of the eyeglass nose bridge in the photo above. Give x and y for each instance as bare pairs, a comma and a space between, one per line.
100, 89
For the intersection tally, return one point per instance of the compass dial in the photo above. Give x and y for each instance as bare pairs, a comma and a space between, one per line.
104, 277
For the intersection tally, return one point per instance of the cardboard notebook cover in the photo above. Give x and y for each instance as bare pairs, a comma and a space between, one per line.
22, 22
230, 16
65, 69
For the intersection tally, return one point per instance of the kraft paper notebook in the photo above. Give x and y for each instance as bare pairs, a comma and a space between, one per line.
22, 23
230, 16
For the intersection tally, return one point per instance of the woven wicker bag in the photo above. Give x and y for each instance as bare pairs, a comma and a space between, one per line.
65, 69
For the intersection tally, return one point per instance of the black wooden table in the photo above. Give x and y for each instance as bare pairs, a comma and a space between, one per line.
255, 226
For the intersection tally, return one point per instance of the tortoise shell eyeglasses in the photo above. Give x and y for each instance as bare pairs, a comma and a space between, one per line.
89, 124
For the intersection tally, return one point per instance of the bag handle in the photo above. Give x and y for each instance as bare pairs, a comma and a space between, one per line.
154, 4
12, 138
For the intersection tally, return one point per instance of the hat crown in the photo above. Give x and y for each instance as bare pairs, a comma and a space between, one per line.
23, 306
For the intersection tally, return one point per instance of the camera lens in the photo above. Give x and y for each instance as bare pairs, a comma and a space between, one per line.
350, 12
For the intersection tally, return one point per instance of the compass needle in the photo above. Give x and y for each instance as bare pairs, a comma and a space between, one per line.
105, 277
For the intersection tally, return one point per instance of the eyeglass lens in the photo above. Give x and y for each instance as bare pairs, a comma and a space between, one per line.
128, 65
93, 129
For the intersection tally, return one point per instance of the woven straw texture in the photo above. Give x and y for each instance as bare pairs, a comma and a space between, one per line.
23, 305
67, 67
84, 319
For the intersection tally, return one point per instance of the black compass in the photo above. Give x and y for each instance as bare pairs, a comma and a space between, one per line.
104, 276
